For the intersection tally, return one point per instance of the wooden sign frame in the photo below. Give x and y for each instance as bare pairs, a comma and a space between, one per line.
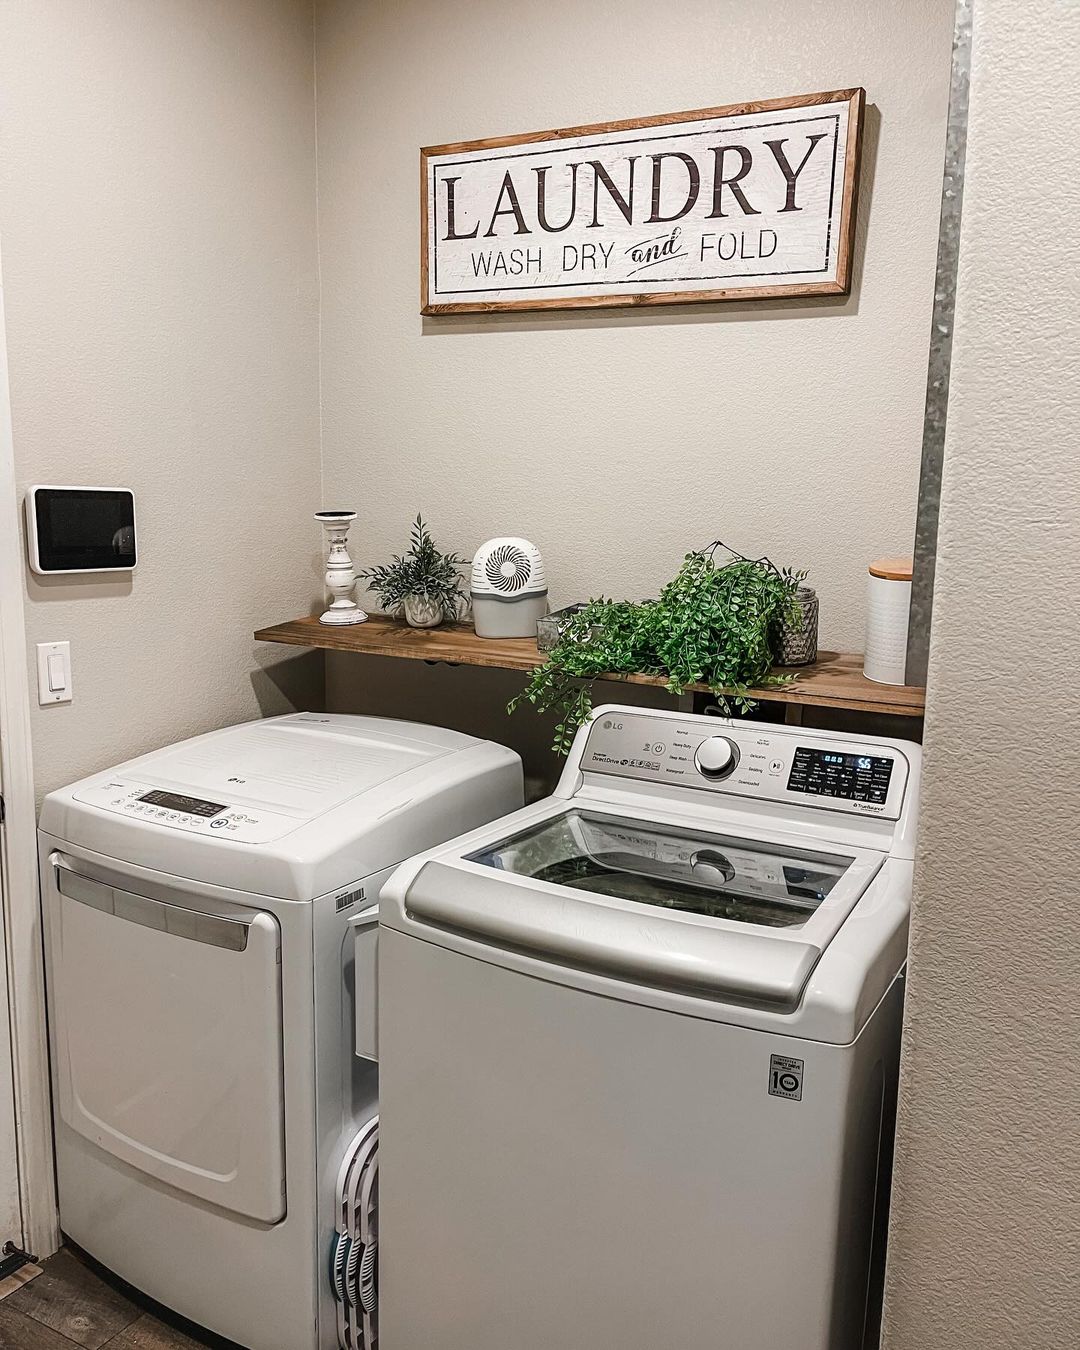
843, 215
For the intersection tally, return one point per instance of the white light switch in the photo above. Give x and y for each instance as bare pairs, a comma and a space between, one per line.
54, 672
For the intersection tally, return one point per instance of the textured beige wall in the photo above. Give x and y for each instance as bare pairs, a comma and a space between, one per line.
619, 441
157, 211
985, 1249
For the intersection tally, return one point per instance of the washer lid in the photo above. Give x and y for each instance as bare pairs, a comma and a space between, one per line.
685, 869
669, 904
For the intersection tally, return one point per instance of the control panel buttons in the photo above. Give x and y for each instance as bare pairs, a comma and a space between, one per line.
716, 757
148, 807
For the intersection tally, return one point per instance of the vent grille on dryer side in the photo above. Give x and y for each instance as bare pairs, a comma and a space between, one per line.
354, 1256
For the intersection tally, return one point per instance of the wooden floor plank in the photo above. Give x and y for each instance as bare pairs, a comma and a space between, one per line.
79, 1302
147, 1333
18, 1332
69, 1298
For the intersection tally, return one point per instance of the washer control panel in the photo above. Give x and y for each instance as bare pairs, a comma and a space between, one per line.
831, 773
714, 755
179, 811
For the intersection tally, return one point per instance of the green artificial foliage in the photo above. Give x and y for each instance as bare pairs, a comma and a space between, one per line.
422, 571
711, 625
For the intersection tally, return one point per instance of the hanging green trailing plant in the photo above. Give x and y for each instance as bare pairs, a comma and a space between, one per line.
711, 625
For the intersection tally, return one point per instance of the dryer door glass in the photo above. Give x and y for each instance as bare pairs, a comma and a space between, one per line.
684, 869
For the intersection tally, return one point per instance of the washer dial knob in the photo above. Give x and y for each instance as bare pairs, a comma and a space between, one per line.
716, 757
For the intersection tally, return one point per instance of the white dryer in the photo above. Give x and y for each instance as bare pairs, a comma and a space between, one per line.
640, 1044
204, 1007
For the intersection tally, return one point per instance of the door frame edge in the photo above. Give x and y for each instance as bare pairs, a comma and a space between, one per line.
18, 840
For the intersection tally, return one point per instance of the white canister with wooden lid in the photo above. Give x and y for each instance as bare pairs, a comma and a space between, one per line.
888, 603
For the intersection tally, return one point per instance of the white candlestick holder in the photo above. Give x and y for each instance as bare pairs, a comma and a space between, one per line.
340, 573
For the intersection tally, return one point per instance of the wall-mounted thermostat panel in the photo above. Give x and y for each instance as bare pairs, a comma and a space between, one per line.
80, 529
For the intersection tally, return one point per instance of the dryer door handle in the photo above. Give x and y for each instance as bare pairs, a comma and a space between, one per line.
365, 931
212, 929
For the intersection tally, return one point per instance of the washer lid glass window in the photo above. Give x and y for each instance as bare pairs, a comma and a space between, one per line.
684, 869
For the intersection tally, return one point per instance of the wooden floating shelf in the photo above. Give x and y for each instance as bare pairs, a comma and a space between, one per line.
835, 680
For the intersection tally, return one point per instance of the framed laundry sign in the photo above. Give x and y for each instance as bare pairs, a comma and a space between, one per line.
736, 203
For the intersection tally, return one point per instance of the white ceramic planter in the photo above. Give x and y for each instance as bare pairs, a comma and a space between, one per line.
420, 612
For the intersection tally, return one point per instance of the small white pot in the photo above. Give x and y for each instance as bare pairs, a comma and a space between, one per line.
420, 612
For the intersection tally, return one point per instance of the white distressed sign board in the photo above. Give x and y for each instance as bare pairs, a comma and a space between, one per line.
735, 203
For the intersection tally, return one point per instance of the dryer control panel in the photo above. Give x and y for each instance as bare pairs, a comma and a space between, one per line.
162, 806
782, 764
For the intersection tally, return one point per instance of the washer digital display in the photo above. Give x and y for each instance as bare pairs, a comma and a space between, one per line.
828, 773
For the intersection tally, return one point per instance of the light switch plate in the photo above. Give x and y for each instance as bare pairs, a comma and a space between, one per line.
54, 672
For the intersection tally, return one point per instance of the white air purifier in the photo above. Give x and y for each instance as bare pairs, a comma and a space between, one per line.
509, 589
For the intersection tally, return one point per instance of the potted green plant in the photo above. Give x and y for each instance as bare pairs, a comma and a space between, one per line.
423, 585
713, 624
